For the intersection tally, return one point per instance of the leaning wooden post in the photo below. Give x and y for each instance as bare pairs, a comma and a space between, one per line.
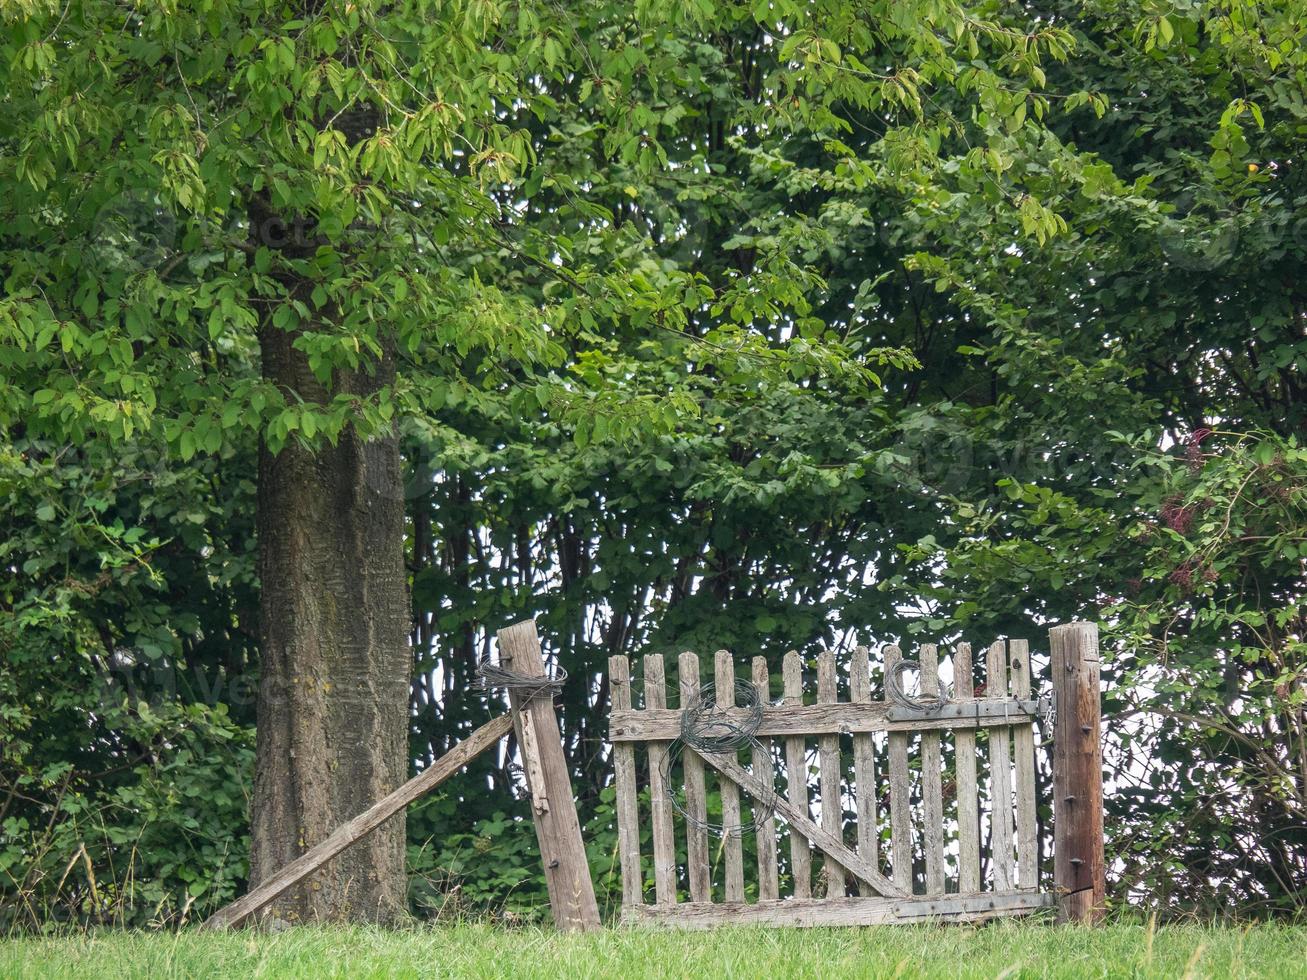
553, 806
1078, 876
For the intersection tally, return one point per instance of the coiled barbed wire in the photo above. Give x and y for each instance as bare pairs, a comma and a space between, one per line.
920, 702
493, 677
709, 729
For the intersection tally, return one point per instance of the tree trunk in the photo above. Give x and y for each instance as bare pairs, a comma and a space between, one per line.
334, 683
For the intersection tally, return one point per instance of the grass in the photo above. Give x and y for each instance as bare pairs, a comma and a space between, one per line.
1004, 949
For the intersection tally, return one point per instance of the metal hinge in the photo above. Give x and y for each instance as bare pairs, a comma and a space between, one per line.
1048, 711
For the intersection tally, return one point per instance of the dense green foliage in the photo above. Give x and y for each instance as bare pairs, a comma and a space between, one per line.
742, 326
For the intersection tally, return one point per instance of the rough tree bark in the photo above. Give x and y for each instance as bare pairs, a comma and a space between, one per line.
334, 681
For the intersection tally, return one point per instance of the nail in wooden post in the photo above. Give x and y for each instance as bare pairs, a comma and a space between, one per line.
1078, 874
553, 804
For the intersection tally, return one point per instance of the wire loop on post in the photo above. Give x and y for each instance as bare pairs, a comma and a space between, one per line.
921, 702
492, 677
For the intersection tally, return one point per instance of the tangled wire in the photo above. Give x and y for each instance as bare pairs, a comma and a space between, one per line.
921, 702
709, 729
492, 677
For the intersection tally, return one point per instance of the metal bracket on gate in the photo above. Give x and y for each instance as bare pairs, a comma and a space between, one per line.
967, 709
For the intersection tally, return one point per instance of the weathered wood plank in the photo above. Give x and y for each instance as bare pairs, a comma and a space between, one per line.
864, 770
965, 765
900, 800
931, 781
968, 907
1001, 711
1077, 774
832, 803
1000, 772
664, 834
796, 770
1023, 759
360, 826
768, 873
830, 719
839, 911
549, 780
628, 814
829, 843
724, 678
696, 794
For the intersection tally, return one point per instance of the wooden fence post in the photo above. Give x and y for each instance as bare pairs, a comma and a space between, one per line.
1078, 874
553, 805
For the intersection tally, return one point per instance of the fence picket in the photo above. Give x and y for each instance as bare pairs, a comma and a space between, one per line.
832, 803
768, 877
796, 771
724, 677
931, 775
900, 801
664, 839
1023, 749
628, 814
1000, 770
965, 766
696, 794
864, 771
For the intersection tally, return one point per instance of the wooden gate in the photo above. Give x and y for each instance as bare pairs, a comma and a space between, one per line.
927, 806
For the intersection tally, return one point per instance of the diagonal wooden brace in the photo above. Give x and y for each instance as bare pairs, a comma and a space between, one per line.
827, 842
355, 830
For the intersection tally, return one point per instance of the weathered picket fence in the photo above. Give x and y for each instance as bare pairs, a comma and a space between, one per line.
960, 840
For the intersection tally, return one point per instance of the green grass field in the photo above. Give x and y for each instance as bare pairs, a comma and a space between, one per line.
1004, 949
